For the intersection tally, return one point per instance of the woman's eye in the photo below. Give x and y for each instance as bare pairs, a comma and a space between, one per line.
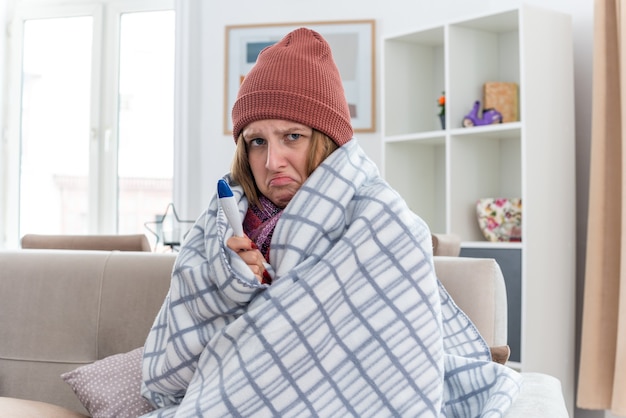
256, 142
293, 137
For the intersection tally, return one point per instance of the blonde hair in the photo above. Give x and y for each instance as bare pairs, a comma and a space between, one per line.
320, 148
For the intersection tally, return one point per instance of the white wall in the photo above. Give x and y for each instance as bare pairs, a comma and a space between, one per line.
213, 149
208, 153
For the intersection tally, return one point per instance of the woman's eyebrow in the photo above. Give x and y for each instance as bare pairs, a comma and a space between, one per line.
278, 131
250, 134
292, 129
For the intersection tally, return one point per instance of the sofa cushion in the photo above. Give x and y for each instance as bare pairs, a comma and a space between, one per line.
22, 408
111, 387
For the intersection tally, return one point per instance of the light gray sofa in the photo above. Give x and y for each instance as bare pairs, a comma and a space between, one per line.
60, 309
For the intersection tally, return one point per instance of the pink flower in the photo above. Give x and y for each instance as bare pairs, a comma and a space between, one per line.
500, 202
492, 224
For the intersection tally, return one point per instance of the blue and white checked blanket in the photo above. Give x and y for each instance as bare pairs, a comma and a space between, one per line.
354, 324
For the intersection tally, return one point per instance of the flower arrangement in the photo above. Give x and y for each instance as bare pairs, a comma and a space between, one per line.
442, 103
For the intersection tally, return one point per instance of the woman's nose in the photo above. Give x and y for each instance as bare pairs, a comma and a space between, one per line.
275, 157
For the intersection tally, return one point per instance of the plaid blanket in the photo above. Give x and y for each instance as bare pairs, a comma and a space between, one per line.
354, 324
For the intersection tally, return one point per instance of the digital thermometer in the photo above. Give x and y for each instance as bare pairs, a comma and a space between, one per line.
229, 205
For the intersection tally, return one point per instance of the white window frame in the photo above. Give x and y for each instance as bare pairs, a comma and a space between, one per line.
103, 187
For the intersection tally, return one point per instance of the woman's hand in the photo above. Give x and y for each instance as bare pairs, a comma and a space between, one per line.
250, 254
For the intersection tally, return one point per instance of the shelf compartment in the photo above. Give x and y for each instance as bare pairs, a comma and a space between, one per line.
481, 50
486, 164
414, 80
416, 170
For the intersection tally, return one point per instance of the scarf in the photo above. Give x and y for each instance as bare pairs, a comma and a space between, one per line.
259, 224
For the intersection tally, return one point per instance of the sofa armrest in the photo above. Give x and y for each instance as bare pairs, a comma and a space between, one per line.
477, 287
540, 396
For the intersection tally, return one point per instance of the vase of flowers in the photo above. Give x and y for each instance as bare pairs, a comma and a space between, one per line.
442, 109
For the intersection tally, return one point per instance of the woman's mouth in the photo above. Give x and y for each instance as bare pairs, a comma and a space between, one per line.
280, 181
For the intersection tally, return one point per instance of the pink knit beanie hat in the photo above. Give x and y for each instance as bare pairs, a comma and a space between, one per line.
295, 79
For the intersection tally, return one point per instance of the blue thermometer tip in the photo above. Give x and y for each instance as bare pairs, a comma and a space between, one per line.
223, 189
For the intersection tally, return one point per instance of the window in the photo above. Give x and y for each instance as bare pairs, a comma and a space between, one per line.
146, 115
91, 124
55, 123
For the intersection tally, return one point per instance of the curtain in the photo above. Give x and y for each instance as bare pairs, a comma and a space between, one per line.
602, 374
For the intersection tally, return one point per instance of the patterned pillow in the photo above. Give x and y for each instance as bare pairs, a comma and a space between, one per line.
111, 387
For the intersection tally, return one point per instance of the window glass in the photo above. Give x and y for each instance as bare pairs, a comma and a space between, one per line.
55, 133
146, 117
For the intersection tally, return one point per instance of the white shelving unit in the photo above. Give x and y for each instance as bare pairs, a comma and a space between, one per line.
442, 172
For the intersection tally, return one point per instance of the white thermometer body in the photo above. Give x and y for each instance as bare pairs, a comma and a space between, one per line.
229, 205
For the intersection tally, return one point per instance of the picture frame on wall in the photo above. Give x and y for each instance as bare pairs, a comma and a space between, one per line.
353, 46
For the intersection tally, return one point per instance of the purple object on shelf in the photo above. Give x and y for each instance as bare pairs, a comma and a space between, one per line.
488, 117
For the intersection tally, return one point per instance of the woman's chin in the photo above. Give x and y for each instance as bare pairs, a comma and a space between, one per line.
281, 198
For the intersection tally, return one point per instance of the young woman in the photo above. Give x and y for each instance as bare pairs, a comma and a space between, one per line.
329, 305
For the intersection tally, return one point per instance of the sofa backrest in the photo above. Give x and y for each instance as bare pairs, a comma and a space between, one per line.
132, 242
60, 309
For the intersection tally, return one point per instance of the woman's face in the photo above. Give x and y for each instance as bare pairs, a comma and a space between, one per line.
277, 154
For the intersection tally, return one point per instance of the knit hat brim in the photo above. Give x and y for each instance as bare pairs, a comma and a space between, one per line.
295, 107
